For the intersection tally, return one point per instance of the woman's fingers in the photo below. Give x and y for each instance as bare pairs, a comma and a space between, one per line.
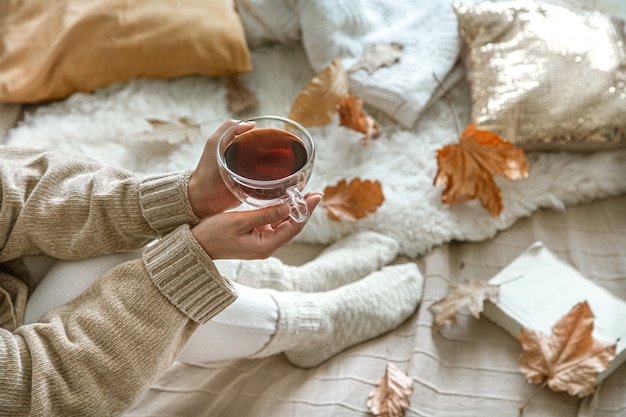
250, 234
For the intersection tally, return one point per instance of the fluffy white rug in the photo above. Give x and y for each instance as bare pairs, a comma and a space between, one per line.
103, 126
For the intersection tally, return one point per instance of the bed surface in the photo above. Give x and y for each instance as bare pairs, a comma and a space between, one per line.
470, 370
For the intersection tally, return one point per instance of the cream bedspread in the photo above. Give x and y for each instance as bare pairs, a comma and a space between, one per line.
470, 370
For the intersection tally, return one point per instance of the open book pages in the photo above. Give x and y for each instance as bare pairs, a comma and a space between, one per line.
537, 289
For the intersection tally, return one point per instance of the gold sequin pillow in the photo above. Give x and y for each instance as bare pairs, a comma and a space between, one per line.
546, 77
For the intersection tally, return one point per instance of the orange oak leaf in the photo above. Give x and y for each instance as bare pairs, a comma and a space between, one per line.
390, 398
352, 201
471, 294
379, 55
317, 103
352, 116
570, 359
467, 168
240, 97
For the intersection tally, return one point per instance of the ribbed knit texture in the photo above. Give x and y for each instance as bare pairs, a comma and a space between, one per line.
98, 353
313, 327
180, 268
164, 201
343, 262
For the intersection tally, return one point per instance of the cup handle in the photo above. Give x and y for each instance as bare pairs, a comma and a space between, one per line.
299, 209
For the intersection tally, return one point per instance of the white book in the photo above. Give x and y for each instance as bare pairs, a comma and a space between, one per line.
537, 289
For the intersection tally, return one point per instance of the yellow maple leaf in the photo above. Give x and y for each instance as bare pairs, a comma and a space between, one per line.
317, 103
570, 359
352, 201
379, 55
171, 131
352, 116
240, 97
471, 294
467, 168
390, 398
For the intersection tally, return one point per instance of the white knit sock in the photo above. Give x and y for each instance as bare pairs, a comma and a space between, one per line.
313, 327
345, 261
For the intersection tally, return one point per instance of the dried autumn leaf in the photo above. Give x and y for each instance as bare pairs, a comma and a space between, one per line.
172, 131
466, 169
317, 103
471, 295
390, 398
379, 55
570, 359
352, 201
240, 97
352, 116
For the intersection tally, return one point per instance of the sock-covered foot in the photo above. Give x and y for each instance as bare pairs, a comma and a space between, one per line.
314, 327
345, 261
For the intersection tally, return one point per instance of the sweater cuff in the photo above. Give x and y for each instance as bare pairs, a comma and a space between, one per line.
187, 277
165, 202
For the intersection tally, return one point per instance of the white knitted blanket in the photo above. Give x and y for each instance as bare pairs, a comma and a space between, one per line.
327, 29
104, 126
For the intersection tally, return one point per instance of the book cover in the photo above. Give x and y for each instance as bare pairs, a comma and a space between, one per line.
537, 289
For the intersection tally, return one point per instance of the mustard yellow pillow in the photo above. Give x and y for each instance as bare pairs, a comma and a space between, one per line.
51, 49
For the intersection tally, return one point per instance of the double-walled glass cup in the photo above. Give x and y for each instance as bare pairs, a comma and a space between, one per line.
269, 164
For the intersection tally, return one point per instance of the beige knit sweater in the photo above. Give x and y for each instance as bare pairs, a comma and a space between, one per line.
98, 353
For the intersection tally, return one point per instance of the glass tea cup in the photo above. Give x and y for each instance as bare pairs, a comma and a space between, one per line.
269, 164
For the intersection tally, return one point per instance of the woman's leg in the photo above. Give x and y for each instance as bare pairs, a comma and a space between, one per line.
347, 260
239, 331
314, 327
309, 328
65, 280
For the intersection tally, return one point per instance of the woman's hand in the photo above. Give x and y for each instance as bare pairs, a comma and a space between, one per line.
207, 192
254, 234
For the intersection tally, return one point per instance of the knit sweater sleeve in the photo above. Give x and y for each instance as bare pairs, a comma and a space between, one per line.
70, 207
98, 353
